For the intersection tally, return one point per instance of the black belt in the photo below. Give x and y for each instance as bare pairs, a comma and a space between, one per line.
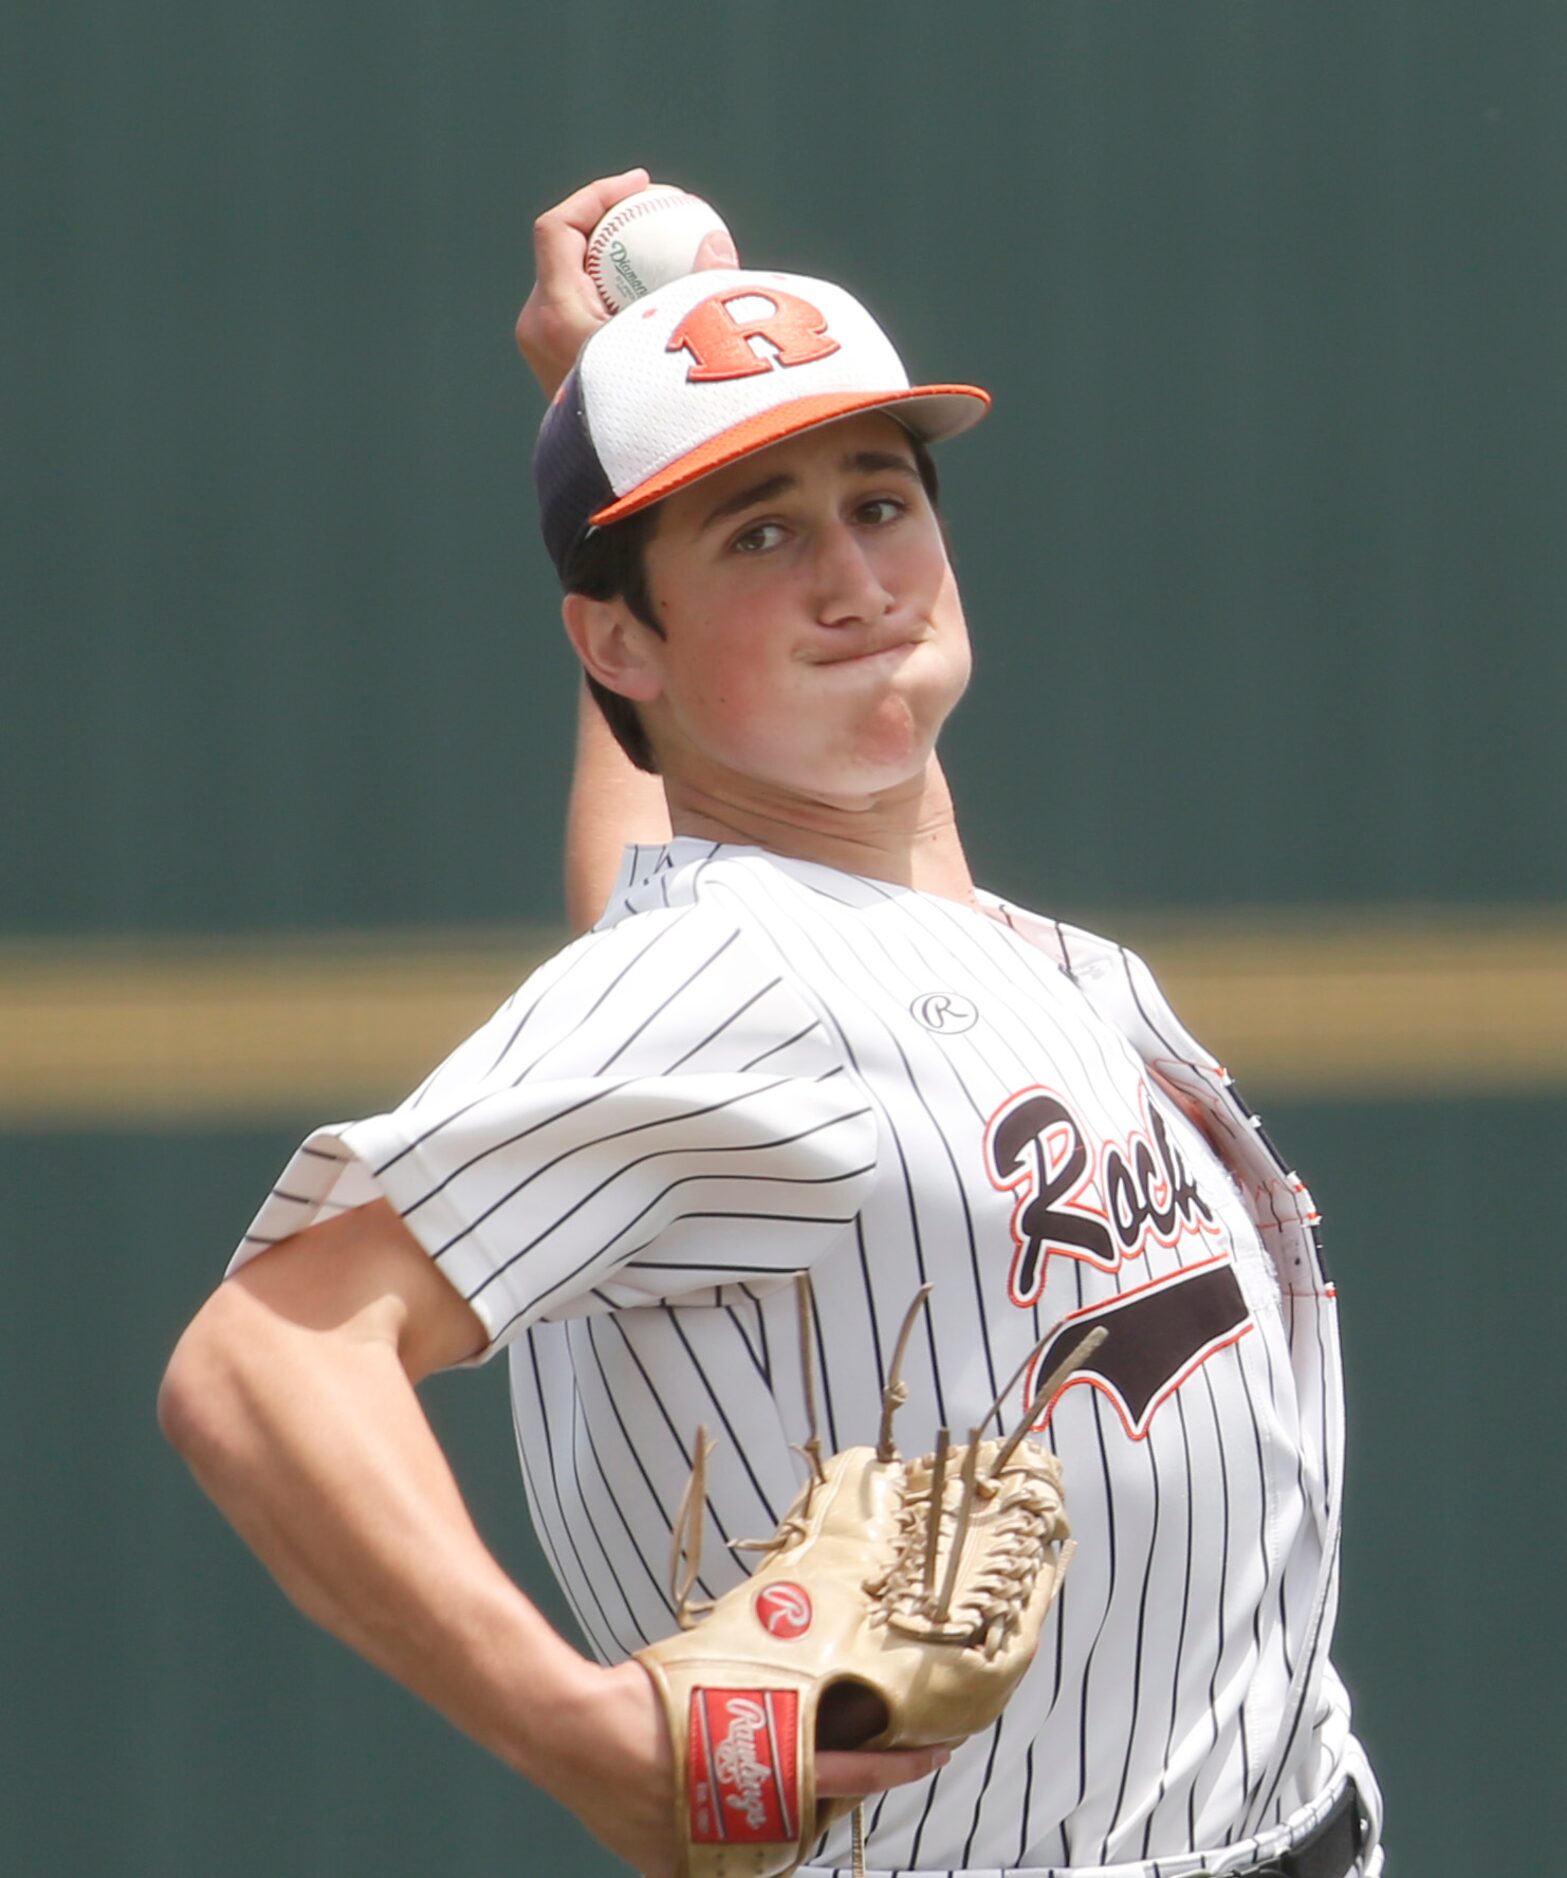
1328, 1851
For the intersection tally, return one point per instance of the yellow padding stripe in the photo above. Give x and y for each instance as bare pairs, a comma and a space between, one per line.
1326, 1005
224, 1034
229, 1033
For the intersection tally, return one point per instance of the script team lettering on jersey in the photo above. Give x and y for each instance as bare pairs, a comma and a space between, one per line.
1104, 1204
1102, 1208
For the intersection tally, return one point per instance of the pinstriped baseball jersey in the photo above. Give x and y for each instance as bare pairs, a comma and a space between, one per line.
754, 1066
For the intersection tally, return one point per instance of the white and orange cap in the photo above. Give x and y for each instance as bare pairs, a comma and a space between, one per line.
708, 369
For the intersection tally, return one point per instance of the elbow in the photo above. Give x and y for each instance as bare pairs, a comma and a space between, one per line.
178, 1399
198, 1384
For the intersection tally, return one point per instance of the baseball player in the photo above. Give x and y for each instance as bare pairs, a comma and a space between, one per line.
800, 1038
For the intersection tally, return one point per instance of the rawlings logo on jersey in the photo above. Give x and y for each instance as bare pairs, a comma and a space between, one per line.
945, 1012
1104, 1203
723, 344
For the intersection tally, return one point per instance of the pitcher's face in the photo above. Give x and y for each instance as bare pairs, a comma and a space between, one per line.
815, 642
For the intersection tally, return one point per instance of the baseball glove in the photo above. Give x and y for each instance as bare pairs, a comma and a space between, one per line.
898, 1606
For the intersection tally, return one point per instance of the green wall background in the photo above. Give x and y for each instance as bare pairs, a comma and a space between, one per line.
1262, 548
1260, 544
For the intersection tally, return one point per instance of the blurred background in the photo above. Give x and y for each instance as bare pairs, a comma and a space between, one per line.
1262, 549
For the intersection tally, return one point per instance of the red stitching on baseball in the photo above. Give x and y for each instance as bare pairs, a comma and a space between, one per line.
616, 220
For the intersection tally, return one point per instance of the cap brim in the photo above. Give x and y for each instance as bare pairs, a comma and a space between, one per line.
930, 411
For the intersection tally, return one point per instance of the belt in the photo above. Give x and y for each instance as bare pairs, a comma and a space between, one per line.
1328, 1851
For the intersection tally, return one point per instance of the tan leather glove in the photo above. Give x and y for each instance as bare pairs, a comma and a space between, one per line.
899, 1607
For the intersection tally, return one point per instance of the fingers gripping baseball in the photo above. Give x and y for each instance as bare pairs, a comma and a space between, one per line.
717, 250
566, 305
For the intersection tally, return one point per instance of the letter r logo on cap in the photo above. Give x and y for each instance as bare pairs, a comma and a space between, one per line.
720, 344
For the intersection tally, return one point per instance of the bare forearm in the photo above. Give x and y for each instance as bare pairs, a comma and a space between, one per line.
314, 1446
292, 1397
612, 802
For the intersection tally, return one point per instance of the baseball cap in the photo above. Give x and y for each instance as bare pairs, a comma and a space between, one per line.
705, 370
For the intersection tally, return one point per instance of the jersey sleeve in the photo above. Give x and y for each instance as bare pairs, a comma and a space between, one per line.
657, 1114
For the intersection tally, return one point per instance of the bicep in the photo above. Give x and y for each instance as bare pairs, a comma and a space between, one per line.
364, 1274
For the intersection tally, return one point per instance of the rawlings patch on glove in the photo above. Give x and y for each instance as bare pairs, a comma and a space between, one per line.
899, 1606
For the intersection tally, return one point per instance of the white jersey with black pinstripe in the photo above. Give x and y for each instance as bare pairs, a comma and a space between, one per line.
756, 1065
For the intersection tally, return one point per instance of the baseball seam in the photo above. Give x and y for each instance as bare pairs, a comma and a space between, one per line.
616, 220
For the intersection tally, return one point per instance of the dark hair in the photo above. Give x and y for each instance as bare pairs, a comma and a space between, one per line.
611, 564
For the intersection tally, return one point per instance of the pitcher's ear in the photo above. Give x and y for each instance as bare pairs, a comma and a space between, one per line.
614, 647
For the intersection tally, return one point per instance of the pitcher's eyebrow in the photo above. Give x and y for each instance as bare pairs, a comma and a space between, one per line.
862, 462
878, 462
763, 491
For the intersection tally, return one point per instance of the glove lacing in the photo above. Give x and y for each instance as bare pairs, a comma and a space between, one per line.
1025, 1531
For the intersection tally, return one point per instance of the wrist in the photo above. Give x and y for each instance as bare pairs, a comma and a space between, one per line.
549, 1695
586, 1719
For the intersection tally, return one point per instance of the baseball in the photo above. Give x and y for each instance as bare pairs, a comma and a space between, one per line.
646, 240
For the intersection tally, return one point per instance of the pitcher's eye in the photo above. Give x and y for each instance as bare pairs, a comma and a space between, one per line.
758, 538
880, 509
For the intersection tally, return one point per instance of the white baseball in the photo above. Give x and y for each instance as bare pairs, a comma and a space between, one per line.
647, 240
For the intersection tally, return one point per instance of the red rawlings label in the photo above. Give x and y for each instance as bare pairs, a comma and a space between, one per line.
783, 1610
744, 1777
